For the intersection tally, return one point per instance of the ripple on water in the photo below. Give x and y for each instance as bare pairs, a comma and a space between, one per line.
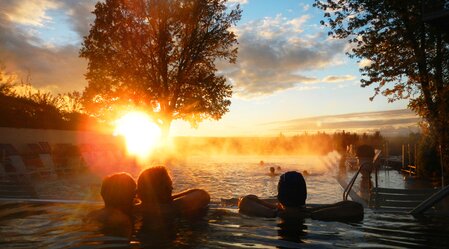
24, 225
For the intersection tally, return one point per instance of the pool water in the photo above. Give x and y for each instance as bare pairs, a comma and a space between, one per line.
60, 225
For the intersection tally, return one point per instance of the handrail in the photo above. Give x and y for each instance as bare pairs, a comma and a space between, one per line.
429, 202
351, 183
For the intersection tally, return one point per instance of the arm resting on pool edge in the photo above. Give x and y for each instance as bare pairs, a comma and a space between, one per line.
346, 211
253, 206
192, 201
349, 211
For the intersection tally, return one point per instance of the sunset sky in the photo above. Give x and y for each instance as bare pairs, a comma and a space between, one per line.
290, 76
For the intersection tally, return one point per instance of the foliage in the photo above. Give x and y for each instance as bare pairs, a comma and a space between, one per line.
6, 81
408, 58
22, 106
428, 158
160, 56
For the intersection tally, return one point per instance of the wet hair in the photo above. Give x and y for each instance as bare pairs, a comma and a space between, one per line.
118, 191
365, 151
292, 190
154, 185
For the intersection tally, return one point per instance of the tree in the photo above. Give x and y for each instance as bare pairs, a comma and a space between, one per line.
159, 56
408, 58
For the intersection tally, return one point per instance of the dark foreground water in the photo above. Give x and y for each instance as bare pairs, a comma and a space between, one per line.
50, 225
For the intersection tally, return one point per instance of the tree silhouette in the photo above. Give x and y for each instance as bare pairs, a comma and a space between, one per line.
408, 58
159, 56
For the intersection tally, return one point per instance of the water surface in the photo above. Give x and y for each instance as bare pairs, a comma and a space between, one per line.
26, 225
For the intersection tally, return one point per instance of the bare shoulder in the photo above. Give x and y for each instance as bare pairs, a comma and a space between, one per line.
108, 216
252, 205
98, 216
191, 201
111, 221
192, 193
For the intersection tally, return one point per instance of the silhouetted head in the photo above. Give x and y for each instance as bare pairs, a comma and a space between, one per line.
292, 190
365, 154
272, 170
118, 191
365, 151
155, 186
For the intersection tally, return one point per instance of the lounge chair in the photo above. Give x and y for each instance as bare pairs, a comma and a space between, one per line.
14, 164
46, 166
61, 157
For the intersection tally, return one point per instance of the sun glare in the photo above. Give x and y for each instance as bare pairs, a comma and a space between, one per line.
141, 134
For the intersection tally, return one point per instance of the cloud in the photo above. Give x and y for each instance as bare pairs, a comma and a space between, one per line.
80, 15
30, 12
365, 63
23, 52
394, 122
273, 53
338, 78
239, 1
304, 7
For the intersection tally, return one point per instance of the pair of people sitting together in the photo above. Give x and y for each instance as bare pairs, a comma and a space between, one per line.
150, 198
154, 189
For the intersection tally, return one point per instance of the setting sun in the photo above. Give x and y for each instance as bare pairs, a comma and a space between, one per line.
141, 134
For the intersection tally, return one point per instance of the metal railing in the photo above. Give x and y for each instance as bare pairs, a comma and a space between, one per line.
350, 184
354, 178
432, 200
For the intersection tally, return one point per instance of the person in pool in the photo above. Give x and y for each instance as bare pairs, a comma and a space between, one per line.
118, 192
155, 187
273, 172
292, 194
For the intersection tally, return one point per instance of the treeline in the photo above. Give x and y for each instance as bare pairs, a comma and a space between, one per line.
319, 143
23, 107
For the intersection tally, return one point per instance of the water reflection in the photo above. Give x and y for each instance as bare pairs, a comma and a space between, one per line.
24, 225
60, 226
292, 230
366, 183
170, 232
